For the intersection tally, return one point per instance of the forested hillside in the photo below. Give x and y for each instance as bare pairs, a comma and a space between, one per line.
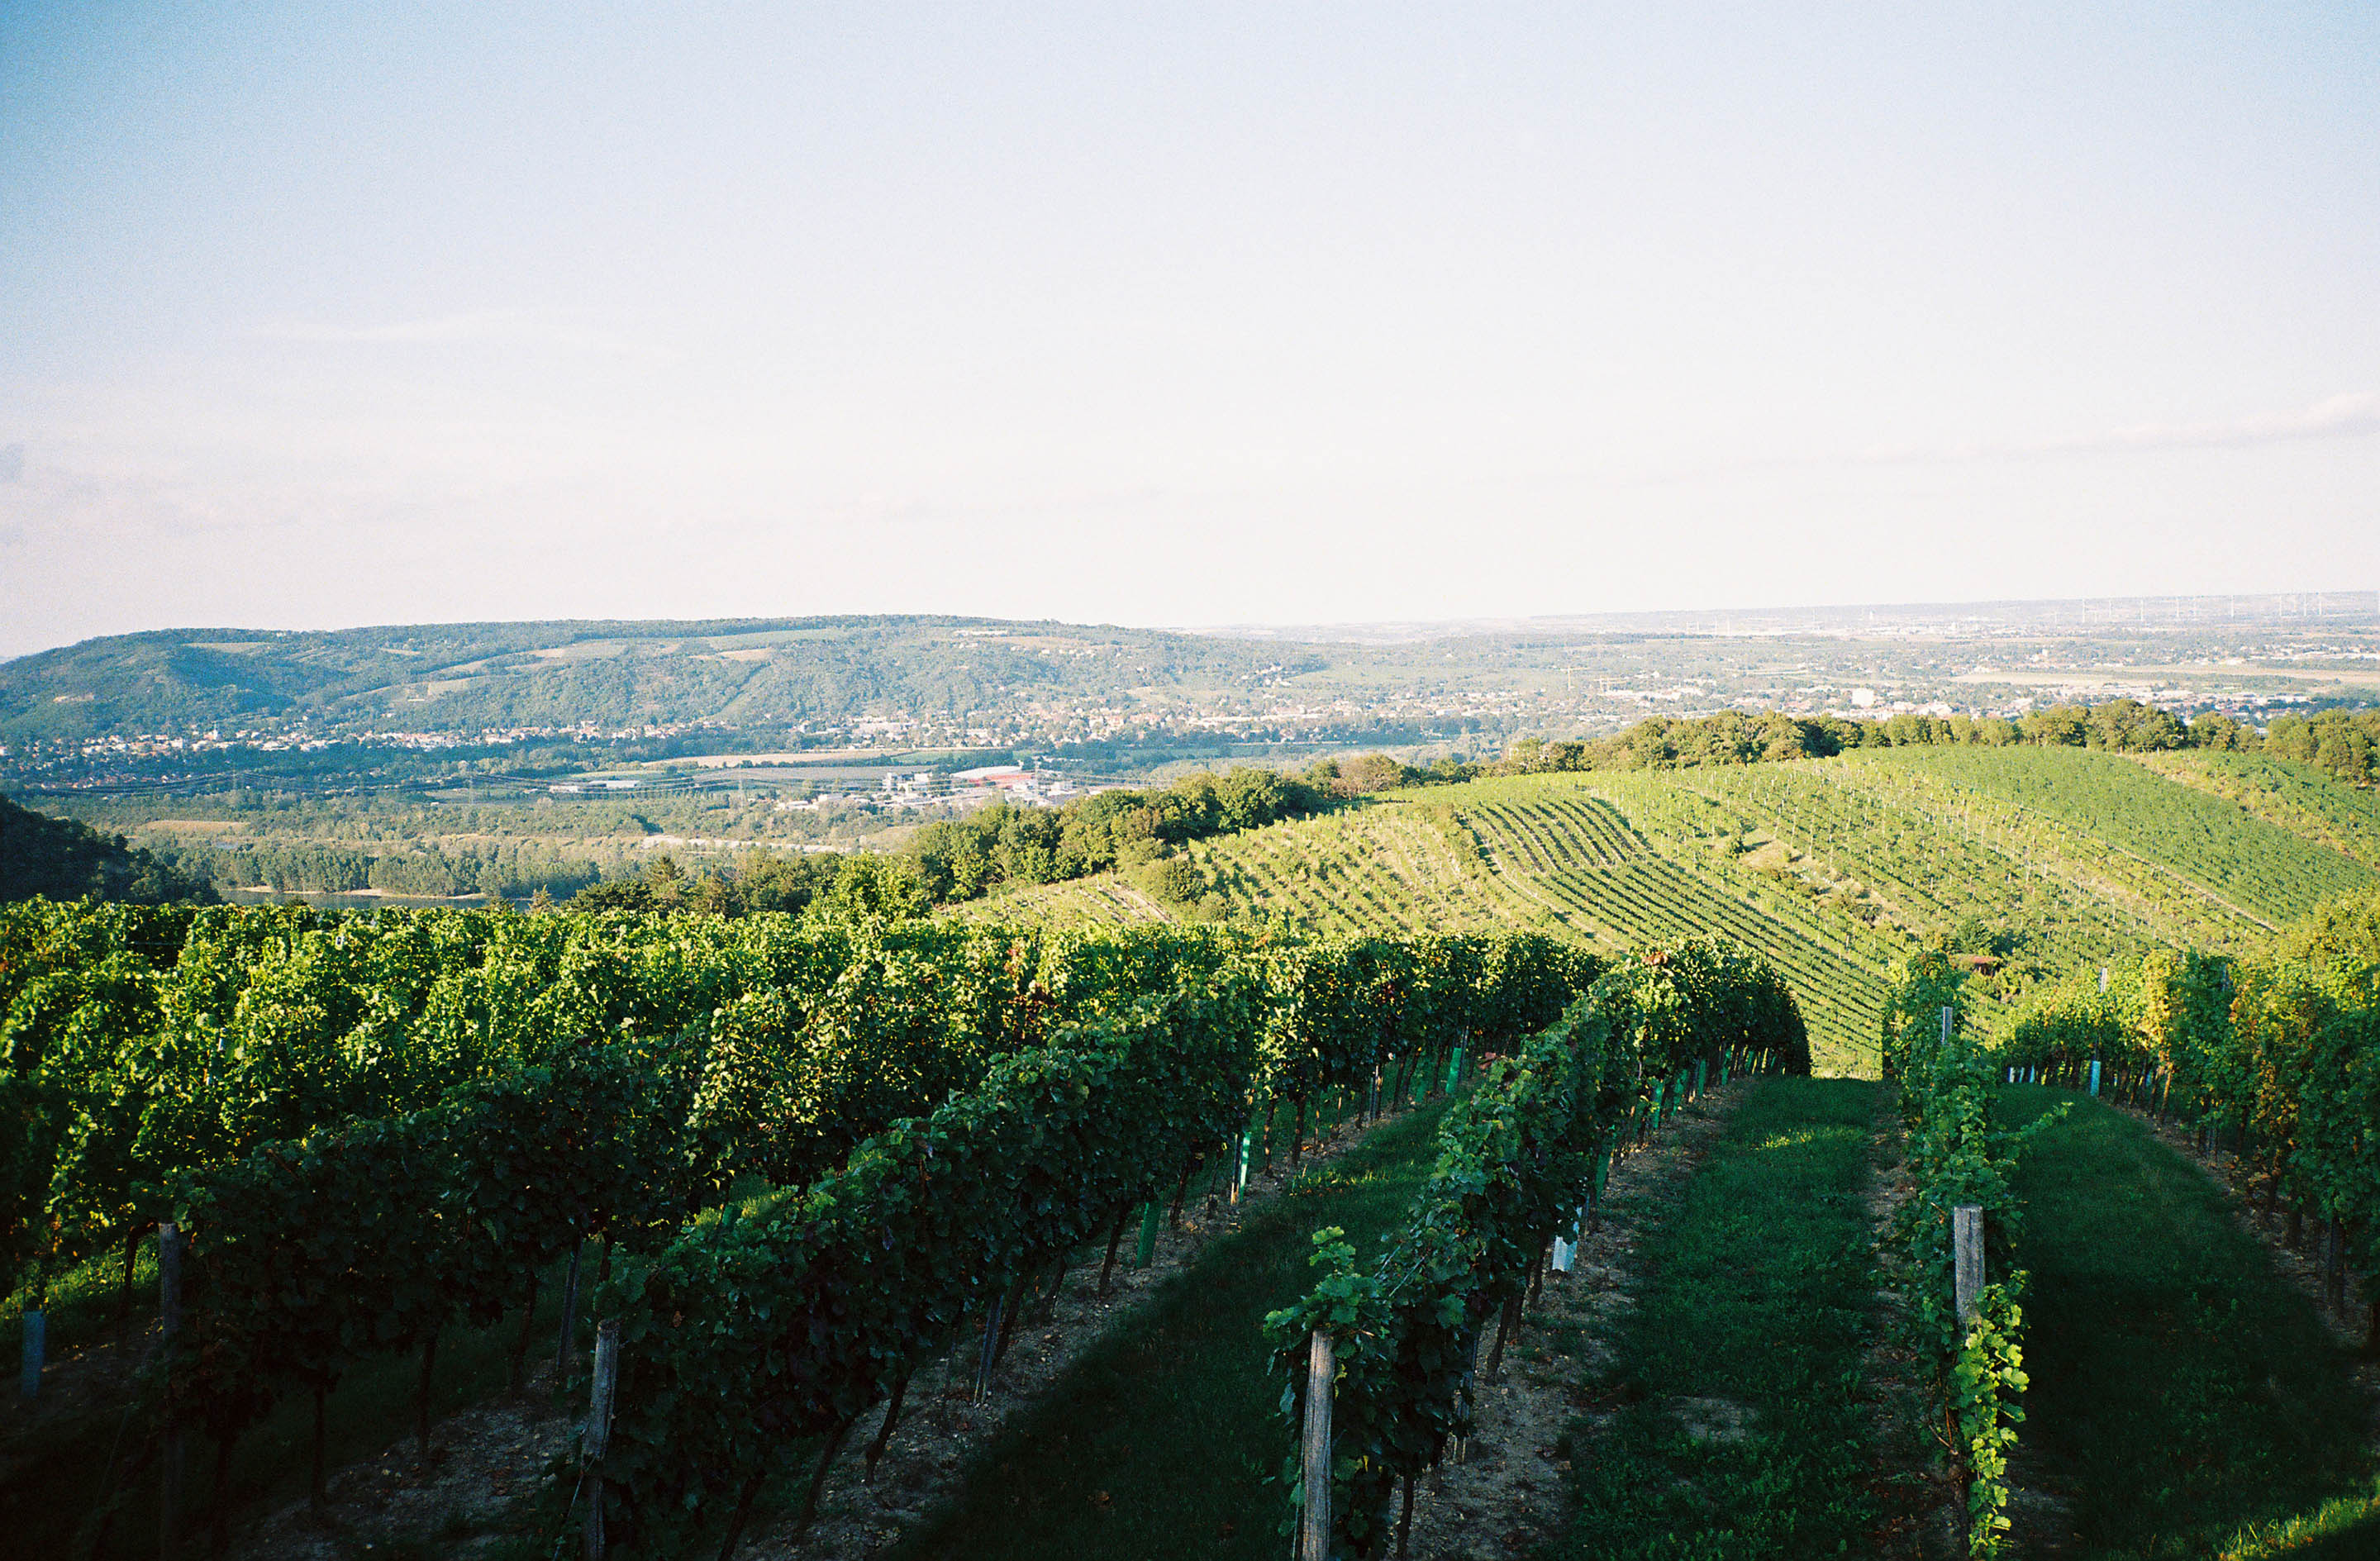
467, 677
66, 860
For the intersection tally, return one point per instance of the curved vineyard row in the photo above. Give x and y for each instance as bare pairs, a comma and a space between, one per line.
1555, 833
1386, 867
1581, 858
1655, 900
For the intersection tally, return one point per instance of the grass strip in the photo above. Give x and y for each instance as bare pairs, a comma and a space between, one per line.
1164, 1439
2182, 1389
1730, 1421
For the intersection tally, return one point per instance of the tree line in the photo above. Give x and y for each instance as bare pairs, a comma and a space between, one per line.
2338, 741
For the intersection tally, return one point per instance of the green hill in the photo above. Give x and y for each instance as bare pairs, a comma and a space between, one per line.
455, 677
2299, 798
2036, 860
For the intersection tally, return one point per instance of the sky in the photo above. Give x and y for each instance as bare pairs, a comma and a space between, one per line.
314, 316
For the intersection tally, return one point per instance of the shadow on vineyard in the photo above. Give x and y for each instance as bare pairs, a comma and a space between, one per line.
1729, 1421
2182, 1389
66, 1467
1165, 1439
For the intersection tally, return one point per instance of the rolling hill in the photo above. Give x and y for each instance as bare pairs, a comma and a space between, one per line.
2036, 860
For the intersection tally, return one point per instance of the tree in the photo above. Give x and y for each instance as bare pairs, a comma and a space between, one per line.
2217, 730
869, 887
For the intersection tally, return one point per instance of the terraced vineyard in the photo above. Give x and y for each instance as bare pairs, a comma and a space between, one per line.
1388, 866
1831, 868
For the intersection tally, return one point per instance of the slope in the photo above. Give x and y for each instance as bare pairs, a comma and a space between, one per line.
2036, 860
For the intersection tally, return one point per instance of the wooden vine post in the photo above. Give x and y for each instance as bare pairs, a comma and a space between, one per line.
599, 1430
1314, 1518
1967, 1259
169, 1318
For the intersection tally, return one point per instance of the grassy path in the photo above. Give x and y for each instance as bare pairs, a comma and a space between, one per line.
1161, 1439
1727, 1421
2182, 1389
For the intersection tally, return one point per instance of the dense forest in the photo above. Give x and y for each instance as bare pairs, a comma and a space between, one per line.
64, 860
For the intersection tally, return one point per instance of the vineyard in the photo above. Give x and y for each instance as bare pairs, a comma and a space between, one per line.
1626, 865
1386, 867
840, 1148
788, 1165
1106, 902
2231, 858
1831, 869
2294, 798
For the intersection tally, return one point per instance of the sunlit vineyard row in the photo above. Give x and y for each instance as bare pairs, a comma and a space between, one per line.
1574, 854
1388, 867
1106, 901
1924, 867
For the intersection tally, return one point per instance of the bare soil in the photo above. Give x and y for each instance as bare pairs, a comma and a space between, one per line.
482, 1460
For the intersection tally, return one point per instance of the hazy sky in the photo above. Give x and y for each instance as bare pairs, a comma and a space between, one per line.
323, 314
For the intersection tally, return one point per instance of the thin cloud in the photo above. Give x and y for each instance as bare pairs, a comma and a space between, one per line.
480, 327
2342, 416
2351, 416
